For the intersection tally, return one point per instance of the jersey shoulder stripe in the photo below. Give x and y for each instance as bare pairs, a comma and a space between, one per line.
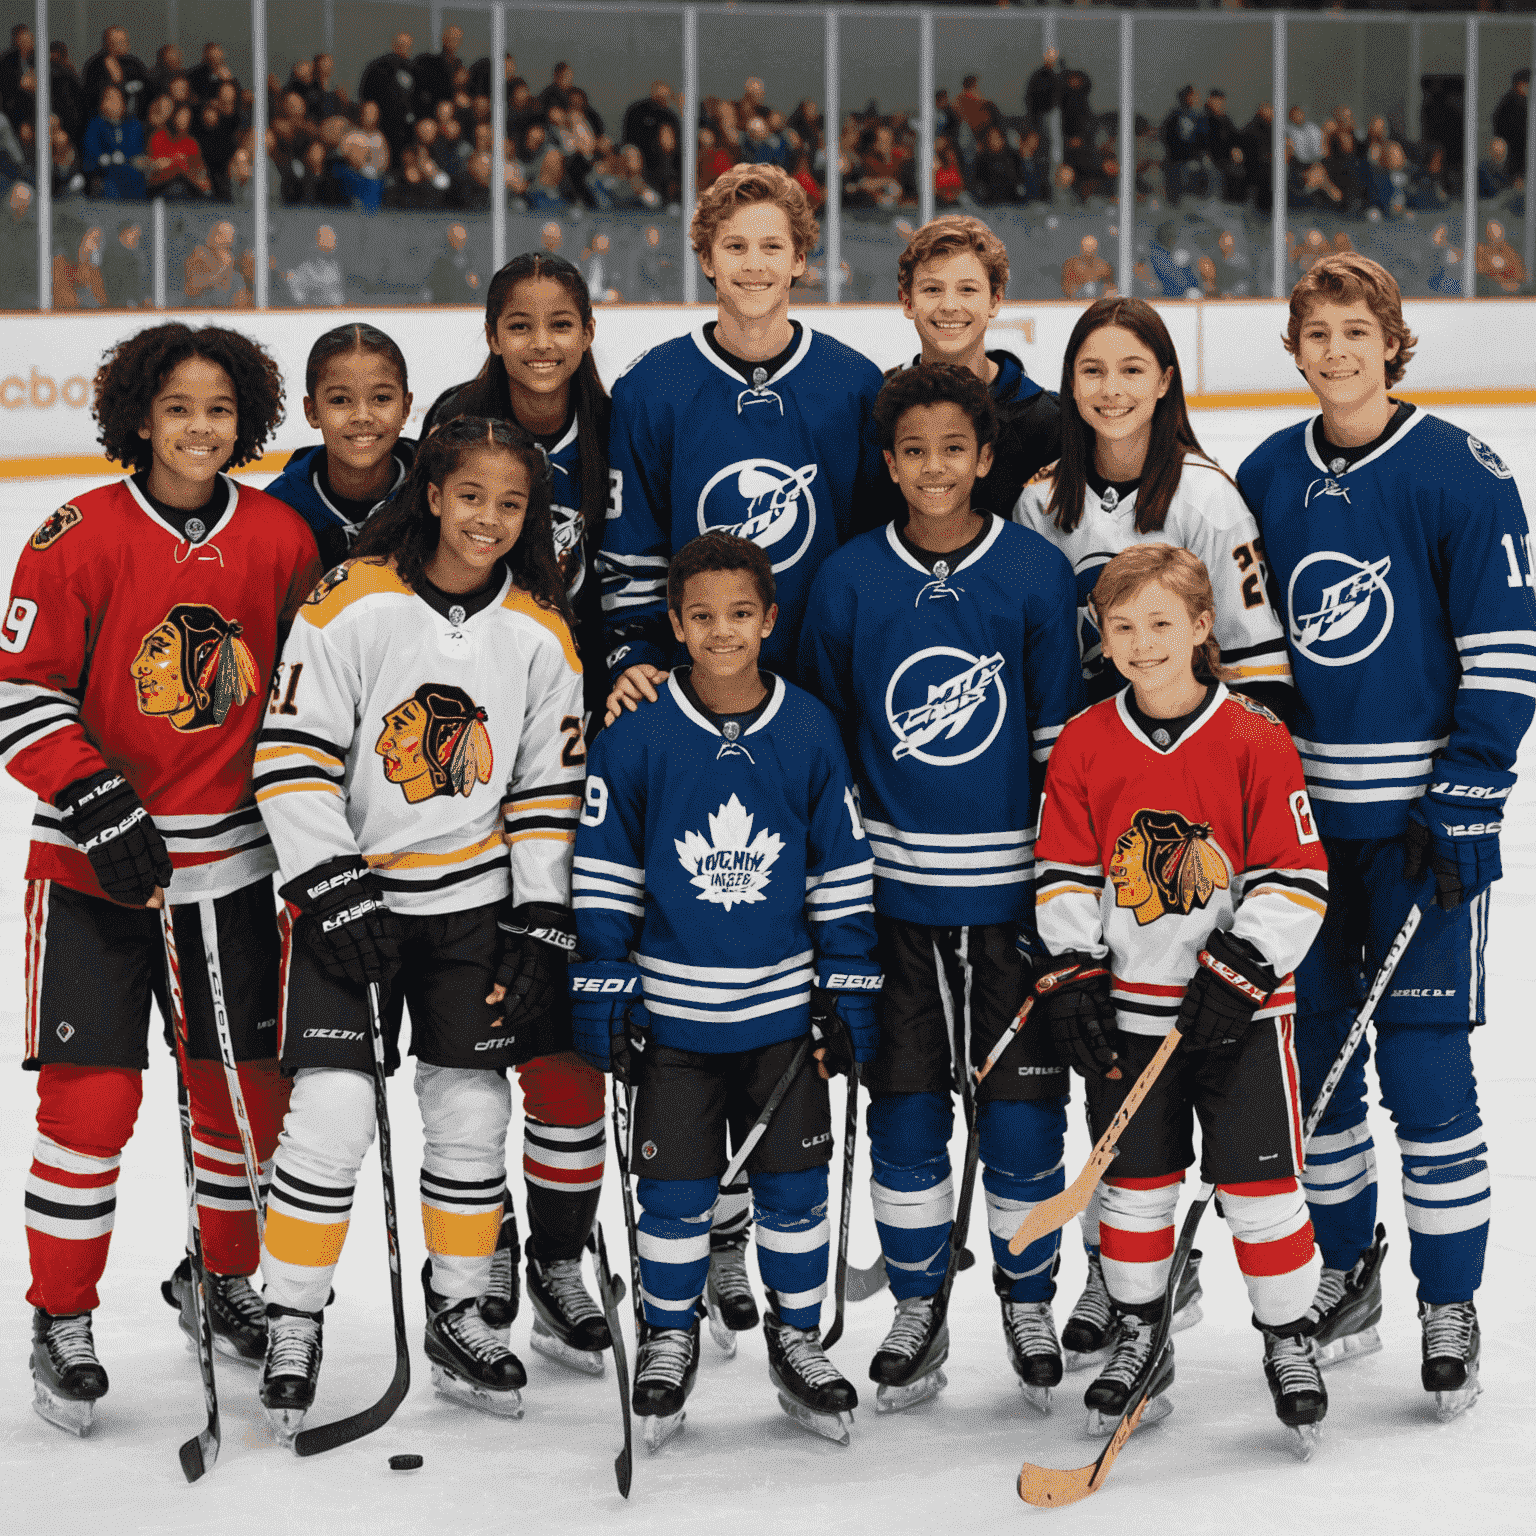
349, 583
524, 603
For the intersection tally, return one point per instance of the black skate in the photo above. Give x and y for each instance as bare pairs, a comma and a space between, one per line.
812, 1391
665, 1369
1089, 1336
67, 1378
292, 1370
1452, 1344
1296, 1384
469, 1362
499, 1304
1347, 1307
728, 1298
568, 1326
1029, 1331
237, 1312
907, 1364
1105, 1400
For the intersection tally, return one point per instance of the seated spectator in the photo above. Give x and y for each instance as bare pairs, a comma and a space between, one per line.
206, 77
1173, 263
1311, 250
882, 164
803, 173
217, 130
596, 257
176, 168
754, 100
112, 152
317, 281
761, 147
714, 159
378, 145
619, 181
530, 153
1499, 262
549, 189
1034, 166
1234, 271
664, 168
452, 147
76, 269
1086, 275
1184, 141
973, 109
1426, 185
18, 248
1445, 278
644, 120
356, 175
158, 113
434, 71
453, 280
389, 81
428, 161
579, 110
324, 97
167, 66
523, 108
319, 186
240, 172
115, 65
209, 277
728, 129
948, 177
1494, 177
124, 269
557, 92
1343, 164
1224, 145
1305, 139
998, 175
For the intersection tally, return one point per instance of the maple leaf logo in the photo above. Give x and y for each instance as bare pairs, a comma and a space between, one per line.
733, 865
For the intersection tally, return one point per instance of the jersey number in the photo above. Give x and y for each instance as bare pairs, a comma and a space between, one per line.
615, 493
286, 706
574, 753
1250, 560
1301, 814
17, 625
597, 802
1514, 579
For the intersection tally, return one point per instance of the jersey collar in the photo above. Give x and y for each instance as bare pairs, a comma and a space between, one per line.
341, 517
904, 555
775, 701
707, 352
1217, 699
1386, 447
232, 497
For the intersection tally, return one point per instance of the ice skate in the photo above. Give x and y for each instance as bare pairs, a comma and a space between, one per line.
568, 1326
236, 1311
665, 1370
1088, 1339
907, 1364
1029, 1331
1452, 1345
67, 1378
1296, 1384
499, 1302
470, 1364
1105, 1400
728, 1298
1348, 1307
812, 1391
292, 1369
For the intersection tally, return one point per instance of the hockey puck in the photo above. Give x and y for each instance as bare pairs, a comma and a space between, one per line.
405, 1463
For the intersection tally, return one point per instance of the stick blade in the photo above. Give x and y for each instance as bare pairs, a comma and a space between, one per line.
624, 1470
1050, 1487
1056, 1212
864, 1283
198, 1455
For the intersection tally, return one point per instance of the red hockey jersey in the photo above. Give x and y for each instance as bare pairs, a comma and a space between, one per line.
1216, 831
124, 645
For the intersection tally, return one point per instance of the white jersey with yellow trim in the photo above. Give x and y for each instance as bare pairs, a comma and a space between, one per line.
446, 750
1208, 517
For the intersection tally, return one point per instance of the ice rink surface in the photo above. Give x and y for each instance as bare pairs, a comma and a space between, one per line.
1219, 1463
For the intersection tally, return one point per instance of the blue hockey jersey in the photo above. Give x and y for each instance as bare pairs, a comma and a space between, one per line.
1407, 601
951, 685
725, 862
299, 486
693, 446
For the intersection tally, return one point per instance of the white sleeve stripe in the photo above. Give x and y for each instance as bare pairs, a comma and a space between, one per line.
1415, 768
846, 872
723, 995
1497, 637
611, 558
603, 902
737, 974
1501, 685
1367, 748
1046, 733
824, 898
1365, 796
608, 867
1510, 659
613, 887
839, 912
935, 840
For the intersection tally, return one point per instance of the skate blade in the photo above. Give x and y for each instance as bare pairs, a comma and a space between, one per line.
225, 1350
1350, 1346
894, 1399
828, 1426
1089, 1358
725, 1339
504, 1405
1448, 1405
1187, 1315
1100, 1425
585, 1361
285, 1422
661, 1427
1304, 1440
74, 1415
1038, 1398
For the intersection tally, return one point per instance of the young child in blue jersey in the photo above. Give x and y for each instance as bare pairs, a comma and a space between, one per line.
723, 874
947, 651
1401, 549
357, 396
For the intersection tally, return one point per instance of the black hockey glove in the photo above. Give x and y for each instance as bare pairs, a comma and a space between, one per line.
1230, 982
345, 919
113, 830
1073, 992
538, 942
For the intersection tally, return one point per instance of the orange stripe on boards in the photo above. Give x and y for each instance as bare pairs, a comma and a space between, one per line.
310, 1243
463, 1236
1284, 1256
1135, 1247
47, 465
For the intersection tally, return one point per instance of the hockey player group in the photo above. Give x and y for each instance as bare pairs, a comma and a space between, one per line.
766, 722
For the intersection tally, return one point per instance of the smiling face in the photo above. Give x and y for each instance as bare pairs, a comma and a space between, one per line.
950, 303
541, 339
752, 261
723, 624
481, 506
1151, 638
1343, 354
360, 408
1116, 385
157, 677
191, 429
935, 461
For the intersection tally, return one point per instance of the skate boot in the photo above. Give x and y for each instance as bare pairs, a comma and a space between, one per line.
728, 1297
1089, 1336
1105, 1400
236, 1311
812, 1391
498, 1305
1452, 1345
469, 1362
1347, 1307
665, 1370
568, 1326
1029, 1331
67, 1378
1296, 1384
292, 1368
907, 1364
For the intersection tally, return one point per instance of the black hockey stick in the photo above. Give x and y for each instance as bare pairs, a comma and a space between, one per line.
326, 1437
608, 1287
622, 1107
766, 1114
850, 1141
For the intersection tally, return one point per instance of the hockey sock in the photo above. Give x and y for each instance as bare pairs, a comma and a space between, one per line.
1089, 1222
464, 1117
1021, 1145
1136, 1236
1272, 1237
1340, 1181
224, 1209
911, 1188
674, 1248
85, 1116
733, 1211
793, 1239
327, 1133
564, 1143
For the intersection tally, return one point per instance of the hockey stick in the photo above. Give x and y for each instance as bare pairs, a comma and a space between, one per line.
326, 1437
850, 1140
621, 1116
1048, 1487
200, 1452
768, 1111
608, 1289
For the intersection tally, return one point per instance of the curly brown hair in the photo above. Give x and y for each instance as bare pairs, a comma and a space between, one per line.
718, 550
1350, 278
934, 384
134, 371
740, 187
950, 235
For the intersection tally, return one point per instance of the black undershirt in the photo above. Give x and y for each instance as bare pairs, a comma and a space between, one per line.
469, 603
354, 510
1175, 728
952, 557
549, 441
748, 370
748, 718
1121, 488
179, 517
1331, 453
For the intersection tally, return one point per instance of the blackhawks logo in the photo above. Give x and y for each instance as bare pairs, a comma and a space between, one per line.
435, 743
56, 525
193, 668
327, 584
733, 865
1163, 863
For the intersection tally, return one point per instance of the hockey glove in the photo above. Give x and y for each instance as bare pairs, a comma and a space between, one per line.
538, 940
345, 920
609, 1023
843, 1019
1230, 982
1454, 829
1073, 992
113, 830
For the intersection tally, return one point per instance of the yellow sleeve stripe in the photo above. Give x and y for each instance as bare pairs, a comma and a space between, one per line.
1279, 669
1309, 902
316, 786
434, 860
270, 754
542, 835
1052, 892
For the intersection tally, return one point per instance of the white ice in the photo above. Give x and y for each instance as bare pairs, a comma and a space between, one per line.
1219, 1463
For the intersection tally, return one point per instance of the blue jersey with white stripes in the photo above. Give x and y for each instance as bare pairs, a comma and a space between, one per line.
951, 685
726, 862
1406, 590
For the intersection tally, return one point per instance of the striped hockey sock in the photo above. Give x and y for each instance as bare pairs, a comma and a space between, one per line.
1021, 1147
1136, 1237
1340, 1181
674, 1248
793, 1240
1272, 1237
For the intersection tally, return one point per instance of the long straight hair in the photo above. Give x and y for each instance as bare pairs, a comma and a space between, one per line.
1172, 435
